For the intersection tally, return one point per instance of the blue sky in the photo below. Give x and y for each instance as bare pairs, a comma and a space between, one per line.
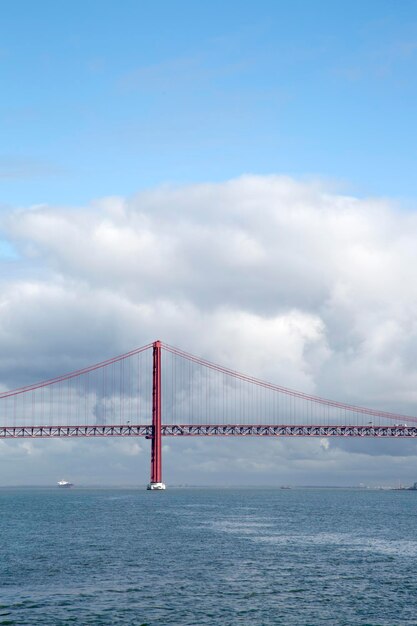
229, 177
104, 98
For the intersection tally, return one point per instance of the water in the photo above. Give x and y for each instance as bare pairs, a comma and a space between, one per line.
218, 557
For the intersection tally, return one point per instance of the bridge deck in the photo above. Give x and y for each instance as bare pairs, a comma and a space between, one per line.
208, 430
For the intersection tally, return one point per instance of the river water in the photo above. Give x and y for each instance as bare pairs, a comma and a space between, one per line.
208, 556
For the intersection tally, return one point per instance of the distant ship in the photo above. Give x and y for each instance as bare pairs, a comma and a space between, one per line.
401, 488
64, 483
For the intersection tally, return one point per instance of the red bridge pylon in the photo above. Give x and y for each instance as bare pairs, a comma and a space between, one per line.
156, 445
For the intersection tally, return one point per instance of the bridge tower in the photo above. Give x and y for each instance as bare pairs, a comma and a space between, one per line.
156, 440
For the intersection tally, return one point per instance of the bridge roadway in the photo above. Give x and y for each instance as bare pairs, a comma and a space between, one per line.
208, 430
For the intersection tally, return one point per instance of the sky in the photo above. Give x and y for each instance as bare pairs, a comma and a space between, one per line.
236, 179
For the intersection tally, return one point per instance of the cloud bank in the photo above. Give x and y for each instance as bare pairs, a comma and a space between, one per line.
282, 279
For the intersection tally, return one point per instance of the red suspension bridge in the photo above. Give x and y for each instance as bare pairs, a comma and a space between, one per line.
157, 391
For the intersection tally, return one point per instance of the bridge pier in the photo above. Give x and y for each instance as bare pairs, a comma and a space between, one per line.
156, 441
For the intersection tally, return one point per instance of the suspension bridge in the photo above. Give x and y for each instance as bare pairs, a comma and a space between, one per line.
161, 391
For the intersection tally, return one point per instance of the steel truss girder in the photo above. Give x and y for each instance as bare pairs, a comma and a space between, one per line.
208, 430
127, 430
240, 430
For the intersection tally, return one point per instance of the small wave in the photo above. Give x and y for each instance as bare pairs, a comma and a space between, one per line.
389, 547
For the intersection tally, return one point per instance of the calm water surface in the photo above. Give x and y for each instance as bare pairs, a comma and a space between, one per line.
191, 557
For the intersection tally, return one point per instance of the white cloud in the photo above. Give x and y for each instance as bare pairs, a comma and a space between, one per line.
278, 278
